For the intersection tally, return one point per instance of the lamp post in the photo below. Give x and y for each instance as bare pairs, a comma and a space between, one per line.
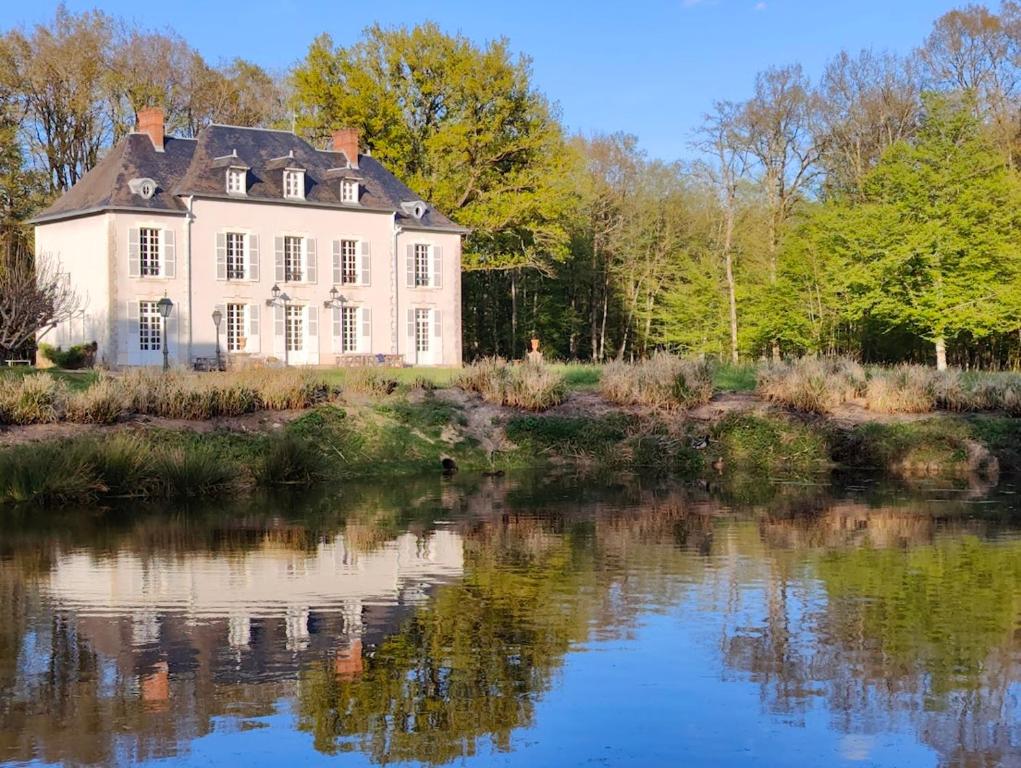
217, 319
165, 306
280, 299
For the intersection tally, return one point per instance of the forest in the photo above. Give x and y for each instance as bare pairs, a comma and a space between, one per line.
872, 211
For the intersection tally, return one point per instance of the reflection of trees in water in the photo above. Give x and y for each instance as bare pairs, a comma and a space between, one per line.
884, 614
913, 625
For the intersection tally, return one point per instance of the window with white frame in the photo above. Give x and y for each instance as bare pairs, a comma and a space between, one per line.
349, 329
421, 265
295, 328
349, 262
421, 330
236, 314
236, 181
348, 191
294, 184
149, 252
149, 334
235, 256
293, 271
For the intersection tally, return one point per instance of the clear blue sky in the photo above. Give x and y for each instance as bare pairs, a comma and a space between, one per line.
649, 67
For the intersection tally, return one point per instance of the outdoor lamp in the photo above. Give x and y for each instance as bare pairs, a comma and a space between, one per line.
165, 306
217, 319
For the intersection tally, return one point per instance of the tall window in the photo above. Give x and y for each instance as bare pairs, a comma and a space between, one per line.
348, 262
235, 256
149, 335
349, 191
421, 265
421, 330
294, 184
236, 328
236, 181
292, 259
349, 329
149, 252
295, 328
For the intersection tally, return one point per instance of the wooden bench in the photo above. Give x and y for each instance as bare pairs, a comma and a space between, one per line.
360, 361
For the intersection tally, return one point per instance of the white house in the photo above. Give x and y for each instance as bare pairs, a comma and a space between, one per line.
310, 256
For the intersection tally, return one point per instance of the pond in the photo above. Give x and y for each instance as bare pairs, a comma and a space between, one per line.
519, 621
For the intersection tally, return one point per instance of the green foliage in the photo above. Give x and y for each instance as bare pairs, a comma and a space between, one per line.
771, 444
71, 359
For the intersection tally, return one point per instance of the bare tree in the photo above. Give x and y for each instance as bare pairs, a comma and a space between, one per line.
721, 139
35, 296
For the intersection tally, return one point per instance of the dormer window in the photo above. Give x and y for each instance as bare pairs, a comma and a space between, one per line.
294, 184
349, 191
236, 181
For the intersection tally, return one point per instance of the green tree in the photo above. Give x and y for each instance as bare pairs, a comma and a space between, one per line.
935, 246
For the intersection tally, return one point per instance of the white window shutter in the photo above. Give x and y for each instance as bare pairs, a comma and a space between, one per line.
252, 262
129, 339
336, 263
338, 330
411, 328
221, 255
169, 253
366, 276
173, 349
411, 266
134, 258
366, 342
312, 314
279, 243
437, 325
310, 259
437, 254
278, 321
252, 340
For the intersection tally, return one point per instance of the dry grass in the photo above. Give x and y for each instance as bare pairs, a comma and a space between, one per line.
662, 381
905, 389
526, 385
812, 384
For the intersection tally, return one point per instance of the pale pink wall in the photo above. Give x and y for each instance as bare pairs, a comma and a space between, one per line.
80, 247
97, 257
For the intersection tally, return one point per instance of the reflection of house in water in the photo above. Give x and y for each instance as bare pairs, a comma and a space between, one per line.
154, 645
246, 601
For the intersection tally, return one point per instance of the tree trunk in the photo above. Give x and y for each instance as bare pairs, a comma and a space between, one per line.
514, 313
728, 258
941, 353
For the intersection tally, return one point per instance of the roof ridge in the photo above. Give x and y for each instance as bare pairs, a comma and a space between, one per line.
252, 128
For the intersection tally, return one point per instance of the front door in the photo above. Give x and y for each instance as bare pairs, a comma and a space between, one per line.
295, 335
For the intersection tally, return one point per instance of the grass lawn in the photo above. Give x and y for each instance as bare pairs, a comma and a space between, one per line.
734, 378
76, 380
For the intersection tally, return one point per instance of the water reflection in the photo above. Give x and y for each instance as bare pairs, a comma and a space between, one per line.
439, 621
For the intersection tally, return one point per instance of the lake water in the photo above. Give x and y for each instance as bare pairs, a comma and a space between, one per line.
519, 622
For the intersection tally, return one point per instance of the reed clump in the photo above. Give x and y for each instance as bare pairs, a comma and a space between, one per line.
812, 384
32, 399
662, 381
531, 386
909, 389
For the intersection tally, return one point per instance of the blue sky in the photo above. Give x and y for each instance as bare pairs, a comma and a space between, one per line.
649, 67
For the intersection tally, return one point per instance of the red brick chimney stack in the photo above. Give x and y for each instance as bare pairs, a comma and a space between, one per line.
150, 121
346, 140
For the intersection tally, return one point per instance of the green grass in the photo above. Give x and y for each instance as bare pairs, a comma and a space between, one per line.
76, 380
578, 376
729, 377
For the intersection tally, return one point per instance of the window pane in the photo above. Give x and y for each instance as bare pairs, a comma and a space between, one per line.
295, 329
422, 330
149, 327
348, 262
236, 328
149, 252
422, 265
292, 259
348, 329
235, 256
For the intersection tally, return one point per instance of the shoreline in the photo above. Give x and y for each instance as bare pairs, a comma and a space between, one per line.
422, 431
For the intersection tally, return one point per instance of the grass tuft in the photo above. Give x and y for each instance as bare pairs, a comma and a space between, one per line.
662, 381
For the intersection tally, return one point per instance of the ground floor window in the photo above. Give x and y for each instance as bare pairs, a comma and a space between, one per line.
295, 328
349, 329
421, 330
236, 328
149, 335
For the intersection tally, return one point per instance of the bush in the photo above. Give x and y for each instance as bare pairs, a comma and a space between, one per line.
664, 381
73, 358
46, 474
104, 402
812, 384
531, 386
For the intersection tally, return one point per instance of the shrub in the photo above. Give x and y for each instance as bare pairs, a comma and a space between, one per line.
812, 384
906, 389
193, 472
664, 380
290, 460
369, 382
44, 474
73, 358
531, 386
104, 402
32, 399
123, 464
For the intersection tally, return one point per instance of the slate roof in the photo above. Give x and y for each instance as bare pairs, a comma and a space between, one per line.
189, 167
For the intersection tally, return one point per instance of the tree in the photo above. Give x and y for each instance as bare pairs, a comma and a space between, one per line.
936, 246
35, 296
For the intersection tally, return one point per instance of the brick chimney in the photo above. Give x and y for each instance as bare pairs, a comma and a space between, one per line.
150, 122
346, 140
